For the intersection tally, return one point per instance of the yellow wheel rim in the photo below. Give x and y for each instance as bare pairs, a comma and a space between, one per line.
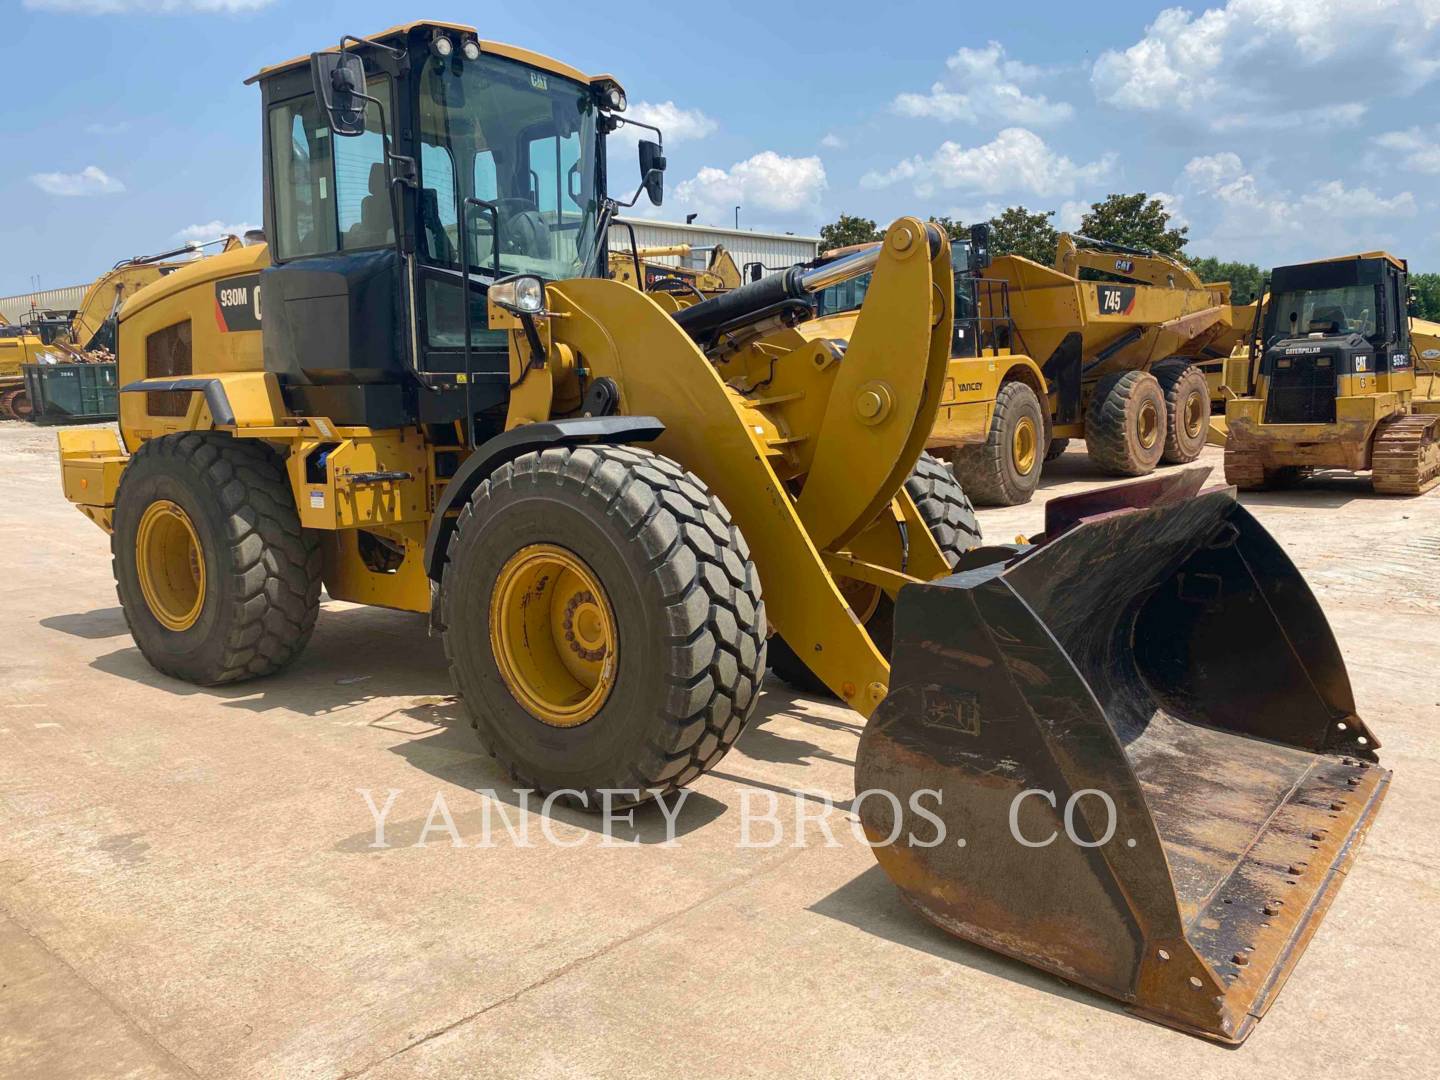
1149, 424
552, 632
1193, 419
170, 565
1024, 445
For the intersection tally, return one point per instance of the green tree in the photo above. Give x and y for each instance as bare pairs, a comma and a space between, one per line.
1246, 279
1427, 296
1017, 231
1135, 221
849, 230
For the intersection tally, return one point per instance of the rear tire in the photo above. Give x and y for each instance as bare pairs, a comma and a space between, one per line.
1056, 448
15, 404
1187, 409
687, 652
250, 602
951, 518
1125, 424
1004, 470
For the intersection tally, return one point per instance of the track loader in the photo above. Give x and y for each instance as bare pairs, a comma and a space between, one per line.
1337, 384
445, 405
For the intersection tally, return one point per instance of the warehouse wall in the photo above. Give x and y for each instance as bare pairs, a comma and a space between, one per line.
66, 299
771, 249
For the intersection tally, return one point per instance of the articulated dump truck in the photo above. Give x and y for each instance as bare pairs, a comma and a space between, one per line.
609, 501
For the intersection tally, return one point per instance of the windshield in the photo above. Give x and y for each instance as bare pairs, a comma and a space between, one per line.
521, 139
1351, 309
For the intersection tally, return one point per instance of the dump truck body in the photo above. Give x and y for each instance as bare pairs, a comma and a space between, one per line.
608, 499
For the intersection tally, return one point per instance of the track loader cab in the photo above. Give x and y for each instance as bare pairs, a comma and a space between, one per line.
1332, 330
1336, 385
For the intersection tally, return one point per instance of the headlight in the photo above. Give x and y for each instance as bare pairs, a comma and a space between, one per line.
523, 294
471, 49
442, 47
612, 98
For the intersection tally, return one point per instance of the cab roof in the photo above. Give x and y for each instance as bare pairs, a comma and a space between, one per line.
1398, 263
496, 48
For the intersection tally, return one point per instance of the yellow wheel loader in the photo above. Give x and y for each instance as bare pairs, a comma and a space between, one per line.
607, 500
1336, 382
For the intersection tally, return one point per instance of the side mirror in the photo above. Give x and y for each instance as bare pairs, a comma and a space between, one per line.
339, 79
979, 246
652, 170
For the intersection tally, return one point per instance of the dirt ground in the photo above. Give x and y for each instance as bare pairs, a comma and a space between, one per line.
188, 885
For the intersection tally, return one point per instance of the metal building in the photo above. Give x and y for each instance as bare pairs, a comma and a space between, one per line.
775, 251
66, 299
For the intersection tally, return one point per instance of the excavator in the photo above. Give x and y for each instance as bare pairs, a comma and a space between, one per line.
641, 266
608, 499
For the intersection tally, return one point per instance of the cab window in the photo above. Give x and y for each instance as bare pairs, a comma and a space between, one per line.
330, 193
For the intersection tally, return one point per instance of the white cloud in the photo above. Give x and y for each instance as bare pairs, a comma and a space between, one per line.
164, 7
766, 182
1324, 117
1071, 211
1236, 211
1416, 150
679, 125
1276, 60
831, 141
214, 230
984, 84
91, 180
118, 127
1016, 161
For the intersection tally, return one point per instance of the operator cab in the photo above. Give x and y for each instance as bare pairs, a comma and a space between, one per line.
1331, 329
404, 176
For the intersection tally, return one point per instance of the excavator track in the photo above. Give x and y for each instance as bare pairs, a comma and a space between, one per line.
1405, 459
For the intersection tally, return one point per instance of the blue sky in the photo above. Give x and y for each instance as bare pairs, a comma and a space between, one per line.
1277, 129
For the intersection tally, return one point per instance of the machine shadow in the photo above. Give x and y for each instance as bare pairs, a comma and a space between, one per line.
358, 654
94, 625
870, 902
450, 753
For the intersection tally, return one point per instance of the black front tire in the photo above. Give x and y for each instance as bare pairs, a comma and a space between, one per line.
262, 569
688, 611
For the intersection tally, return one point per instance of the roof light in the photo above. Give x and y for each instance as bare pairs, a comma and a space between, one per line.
442, 46
471, 49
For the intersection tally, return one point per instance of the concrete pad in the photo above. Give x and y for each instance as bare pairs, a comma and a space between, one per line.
189, 880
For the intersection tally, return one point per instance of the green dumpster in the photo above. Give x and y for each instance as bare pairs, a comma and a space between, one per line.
63, 393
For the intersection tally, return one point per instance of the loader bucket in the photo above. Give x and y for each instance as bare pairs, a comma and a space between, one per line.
1160, 677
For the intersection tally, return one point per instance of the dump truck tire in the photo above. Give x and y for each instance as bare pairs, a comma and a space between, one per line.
948, 512
1056, 448
658, 666
1187, 409
1125, 425
1004, 470
216, 577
